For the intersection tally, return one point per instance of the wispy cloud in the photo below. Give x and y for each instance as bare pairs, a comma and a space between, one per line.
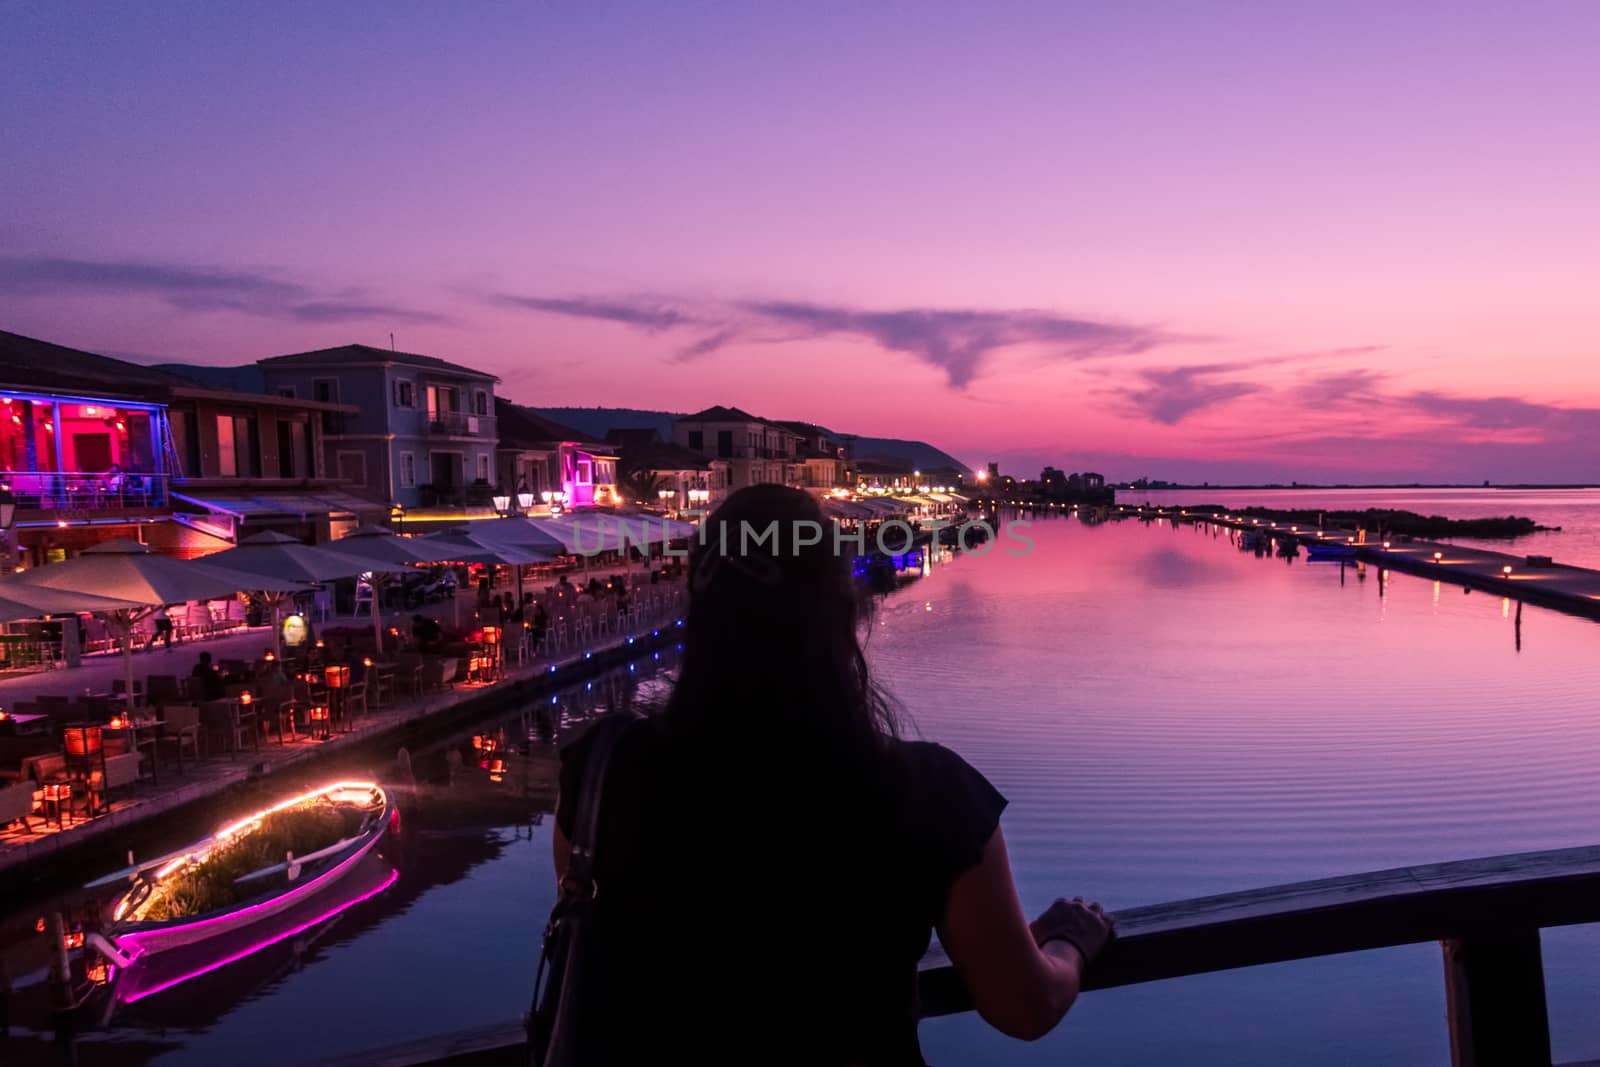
640, 312
1341, 388
1171, 394
958, 341
1505, 413
201, 289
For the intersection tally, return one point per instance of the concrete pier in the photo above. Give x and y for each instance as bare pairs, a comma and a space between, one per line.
1574, 590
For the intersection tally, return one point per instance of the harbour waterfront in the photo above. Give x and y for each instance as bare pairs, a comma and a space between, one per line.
1169, 717
1575, 511
1172, 718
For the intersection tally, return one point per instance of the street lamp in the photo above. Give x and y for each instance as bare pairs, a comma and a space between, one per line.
502, 503
666, 495
524, 500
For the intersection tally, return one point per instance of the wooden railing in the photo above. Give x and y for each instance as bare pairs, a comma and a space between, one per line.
1486, 913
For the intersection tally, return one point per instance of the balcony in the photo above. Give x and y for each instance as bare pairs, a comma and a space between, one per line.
458, 424
72, 492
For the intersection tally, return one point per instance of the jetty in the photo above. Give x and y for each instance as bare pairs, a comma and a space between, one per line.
1531, 579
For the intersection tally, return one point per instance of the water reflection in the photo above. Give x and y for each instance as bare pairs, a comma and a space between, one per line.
436, 933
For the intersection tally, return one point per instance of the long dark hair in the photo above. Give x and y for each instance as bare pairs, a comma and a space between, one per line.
771, 650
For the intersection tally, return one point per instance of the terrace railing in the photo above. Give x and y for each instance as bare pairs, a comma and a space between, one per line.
459, 424
85, 491
1485, 913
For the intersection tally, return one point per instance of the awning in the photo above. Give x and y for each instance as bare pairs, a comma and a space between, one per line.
266, 504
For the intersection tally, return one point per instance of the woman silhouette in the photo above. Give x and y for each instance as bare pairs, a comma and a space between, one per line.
772, 857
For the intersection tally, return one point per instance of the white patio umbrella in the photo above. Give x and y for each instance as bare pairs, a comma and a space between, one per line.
387, 552
513, 531
477, 548
130, 572
282, 556
19, 600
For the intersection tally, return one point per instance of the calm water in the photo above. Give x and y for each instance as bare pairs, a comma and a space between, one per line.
1576, 511
1169, 718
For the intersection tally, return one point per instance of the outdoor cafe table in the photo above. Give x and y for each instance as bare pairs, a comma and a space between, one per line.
140, 733
19, 725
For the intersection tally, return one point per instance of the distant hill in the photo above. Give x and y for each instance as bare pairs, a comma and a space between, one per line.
599, 421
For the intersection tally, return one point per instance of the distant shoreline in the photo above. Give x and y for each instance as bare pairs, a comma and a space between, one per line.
1187, 488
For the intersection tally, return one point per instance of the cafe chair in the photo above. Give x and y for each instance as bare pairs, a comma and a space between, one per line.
180, 729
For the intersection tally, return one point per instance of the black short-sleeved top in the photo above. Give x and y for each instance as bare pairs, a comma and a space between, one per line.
743, 918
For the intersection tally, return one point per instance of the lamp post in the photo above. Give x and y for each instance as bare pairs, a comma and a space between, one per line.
524, 501
665, 496
502, 505
8, 524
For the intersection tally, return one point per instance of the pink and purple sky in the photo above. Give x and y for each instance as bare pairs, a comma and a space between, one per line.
1187, 240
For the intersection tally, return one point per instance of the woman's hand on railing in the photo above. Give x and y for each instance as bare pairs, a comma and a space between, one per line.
1084, 925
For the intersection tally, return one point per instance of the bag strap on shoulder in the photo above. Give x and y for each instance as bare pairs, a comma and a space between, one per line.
586, 825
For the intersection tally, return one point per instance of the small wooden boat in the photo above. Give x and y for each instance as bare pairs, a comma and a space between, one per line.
160, 911
1316, 550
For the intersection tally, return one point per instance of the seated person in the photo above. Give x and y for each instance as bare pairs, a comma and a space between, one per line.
208, 682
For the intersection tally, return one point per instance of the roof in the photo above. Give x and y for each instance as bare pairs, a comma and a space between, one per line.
521, 428
806, 429
358, 355
288, 503
265, 400
633, 437
663, 456
882, 465
32, 363
722, 414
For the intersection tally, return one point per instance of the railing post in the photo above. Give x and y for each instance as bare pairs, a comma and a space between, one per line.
1494, 993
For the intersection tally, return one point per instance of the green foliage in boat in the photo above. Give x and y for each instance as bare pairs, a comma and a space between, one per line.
212, 884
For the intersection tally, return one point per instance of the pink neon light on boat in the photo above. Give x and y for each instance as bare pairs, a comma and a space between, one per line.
253, 949
242, 916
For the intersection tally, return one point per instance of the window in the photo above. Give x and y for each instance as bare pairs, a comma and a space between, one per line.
697, 439
408, 470
326, 391
405, 393
286, 451
441, 399
227, 458
725, 444
585, 472
480, 403
483, 465
294, 452
353, 468
185, 442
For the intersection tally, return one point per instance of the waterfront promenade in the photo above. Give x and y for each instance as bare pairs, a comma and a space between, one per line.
146, 800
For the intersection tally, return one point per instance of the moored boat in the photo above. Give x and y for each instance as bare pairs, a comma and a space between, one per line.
195, 895
1315, 550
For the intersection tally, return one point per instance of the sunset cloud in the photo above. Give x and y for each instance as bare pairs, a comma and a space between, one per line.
957, 341
200, 289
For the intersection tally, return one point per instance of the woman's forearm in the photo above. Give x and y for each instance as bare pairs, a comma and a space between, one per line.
1055, 989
